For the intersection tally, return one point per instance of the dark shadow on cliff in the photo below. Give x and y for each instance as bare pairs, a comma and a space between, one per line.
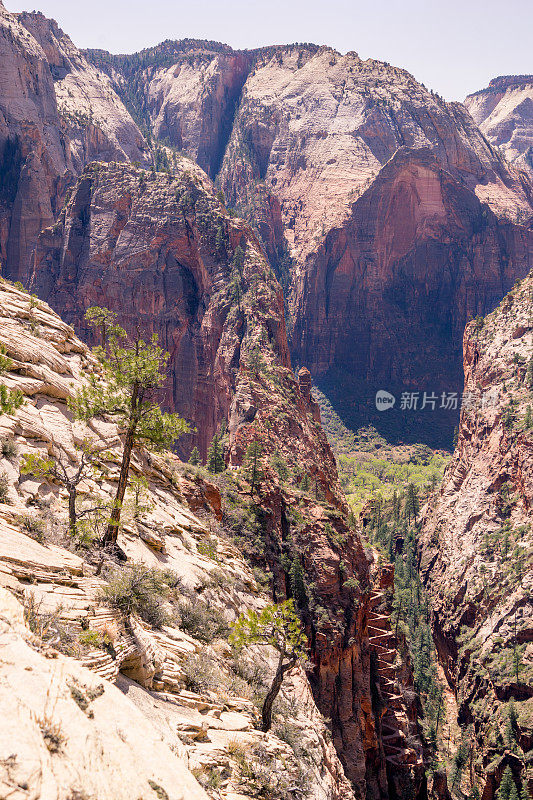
355, 403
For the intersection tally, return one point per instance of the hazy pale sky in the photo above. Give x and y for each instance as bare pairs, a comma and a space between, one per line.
452, 46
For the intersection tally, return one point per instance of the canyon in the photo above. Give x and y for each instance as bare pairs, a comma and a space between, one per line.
280, 219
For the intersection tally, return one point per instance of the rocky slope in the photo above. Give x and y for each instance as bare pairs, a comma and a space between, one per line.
290, 525
56, 112
504, 113
476, 547
372, 196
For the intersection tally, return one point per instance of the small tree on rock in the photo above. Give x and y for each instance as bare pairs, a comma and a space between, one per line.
10, 400
276, 625
126, 391
57, 467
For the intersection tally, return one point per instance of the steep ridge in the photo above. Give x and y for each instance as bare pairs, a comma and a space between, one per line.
162, 252
185, 93
476, 547
56, 112
156, 667
504, 113
400, 731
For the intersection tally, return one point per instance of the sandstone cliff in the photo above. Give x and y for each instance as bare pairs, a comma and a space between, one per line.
476, 546
504, 113
56, 113
371, 194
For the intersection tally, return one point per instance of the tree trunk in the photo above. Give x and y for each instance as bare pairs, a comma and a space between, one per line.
266, 711
72, 510
111, 533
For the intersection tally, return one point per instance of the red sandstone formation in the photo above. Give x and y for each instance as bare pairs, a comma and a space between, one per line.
476, 543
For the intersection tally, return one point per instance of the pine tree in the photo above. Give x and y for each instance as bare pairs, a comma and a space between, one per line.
10, 400
395, 506
215, 455
528, 419
220, 241
277, 626
252, 465
238, 259
126, 390
507, 785
412, 505
194, 457
297, 581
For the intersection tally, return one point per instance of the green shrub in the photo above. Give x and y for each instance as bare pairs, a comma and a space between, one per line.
9, 448
138, 589
4, 488
33, 526
202, 621
202, 673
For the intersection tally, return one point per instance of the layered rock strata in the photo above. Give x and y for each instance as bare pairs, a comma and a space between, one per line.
476, 545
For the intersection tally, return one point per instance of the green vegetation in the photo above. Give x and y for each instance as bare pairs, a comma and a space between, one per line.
8, 448
276, 625
4, 488
252, 469
126, 390
194, 458
10, 400
392, 529
136, 588
369, 467
215, 455
202, 620
57, 469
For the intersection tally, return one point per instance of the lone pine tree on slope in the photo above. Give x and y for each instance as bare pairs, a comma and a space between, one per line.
126, 391
276, 625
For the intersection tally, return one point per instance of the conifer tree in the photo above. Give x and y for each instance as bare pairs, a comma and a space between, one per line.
297, 580
412, 505
395, 506
507, 785
252, 465
276, 625
126, 390
238, 259
10, 400
194, 457
215, 455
